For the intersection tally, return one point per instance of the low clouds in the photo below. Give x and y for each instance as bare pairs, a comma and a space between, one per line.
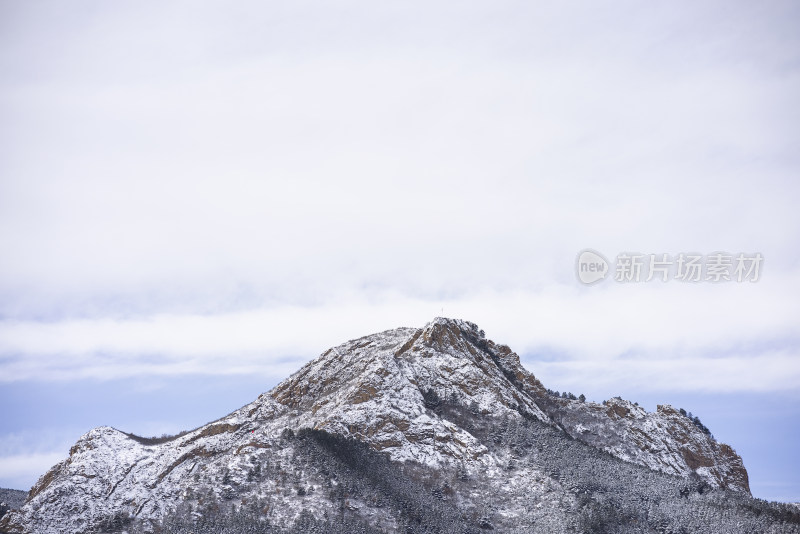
669, 336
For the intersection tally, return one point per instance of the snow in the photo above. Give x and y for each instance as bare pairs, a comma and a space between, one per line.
370, 389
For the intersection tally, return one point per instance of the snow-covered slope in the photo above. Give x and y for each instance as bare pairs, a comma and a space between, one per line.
385, 390
666, 440
374, 388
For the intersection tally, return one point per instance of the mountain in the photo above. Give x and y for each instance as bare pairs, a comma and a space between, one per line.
433, 429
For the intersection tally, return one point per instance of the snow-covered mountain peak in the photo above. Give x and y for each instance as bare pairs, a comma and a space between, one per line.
420, 396
380, 389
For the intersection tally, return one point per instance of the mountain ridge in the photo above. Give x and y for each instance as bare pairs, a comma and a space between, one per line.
419, 396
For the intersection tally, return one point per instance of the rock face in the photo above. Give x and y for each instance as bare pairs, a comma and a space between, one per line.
665, 441
415, 395
374, 389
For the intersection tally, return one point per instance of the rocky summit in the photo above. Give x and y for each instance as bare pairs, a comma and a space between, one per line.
433, 429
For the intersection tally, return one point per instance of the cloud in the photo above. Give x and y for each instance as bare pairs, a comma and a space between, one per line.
637, 330
766, 372
220, 165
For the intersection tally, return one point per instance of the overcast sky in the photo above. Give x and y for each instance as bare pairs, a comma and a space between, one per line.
196, 193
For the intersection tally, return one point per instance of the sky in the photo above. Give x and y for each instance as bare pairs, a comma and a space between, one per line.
196, 198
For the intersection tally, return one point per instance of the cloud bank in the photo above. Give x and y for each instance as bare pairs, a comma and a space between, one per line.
668, 336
